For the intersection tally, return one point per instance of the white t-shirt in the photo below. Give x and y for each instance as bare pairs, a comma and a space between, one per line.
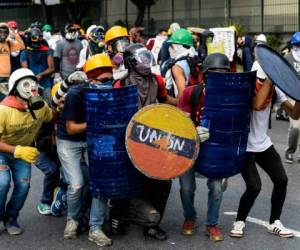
258, 140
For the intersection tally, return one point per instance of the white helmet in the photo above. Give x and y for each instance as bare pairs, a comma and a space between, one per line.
17, 75
89, 29
261, 38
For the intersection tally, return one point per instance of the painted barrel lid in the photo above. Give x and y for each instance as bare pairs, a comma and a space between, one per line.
162, 141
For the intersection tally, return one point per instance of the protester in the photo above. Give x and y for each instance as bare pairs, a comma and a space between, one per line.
95, 39
117, 39
66, 54
10, 45
260, 150
22, 113
39, 58
149, 207
135, 35
219, 63
164, 52
293, 57
178, 76
72, 152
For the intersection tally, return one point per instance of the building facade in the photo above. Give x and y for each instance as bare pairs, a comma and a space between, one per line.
255, 15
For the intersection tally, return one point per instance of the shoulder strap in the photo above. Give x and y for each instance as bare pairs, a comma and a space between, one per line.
194, 101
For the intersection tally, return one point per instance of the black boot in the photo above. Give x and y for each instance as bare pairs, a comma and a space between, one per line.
155, 232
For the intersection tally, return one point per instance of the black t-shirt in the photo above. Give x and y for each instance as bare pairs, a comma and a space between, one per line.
73, 111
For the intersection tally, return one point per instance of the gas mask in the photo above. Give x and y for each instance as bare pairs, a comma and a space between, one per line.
4, 32
27, 89
296, 52
71, 35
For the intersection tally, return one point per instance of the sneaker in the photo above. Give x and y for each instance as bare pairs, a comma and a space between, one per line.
214, 233
44, 209
278, 229
59, 204
118, 226
155, 232
289, 158
98, 237
237, 230
71, 229
188, 227
12, 227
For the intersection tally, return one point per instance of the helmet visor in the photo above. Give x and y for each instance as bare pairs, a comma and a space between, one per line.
144, 57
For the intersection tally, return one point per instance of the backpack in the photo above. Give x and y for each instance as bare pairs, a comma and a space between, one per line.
195, 75
195, 102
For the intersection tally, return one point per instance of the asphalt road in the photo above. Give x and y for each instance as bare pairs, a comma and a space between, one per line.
46, 232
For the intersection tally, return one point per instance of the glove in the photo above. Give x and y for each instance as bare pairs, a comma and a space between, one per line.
57, 78
75, 77
203, 133
28, 154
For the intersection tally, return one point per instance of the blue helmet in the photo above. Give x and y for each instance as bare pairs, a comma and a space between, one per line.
295, 38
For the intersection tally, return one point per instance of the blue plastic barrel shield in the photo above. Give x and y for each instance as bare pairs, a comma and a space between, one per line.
227, 113
109, 110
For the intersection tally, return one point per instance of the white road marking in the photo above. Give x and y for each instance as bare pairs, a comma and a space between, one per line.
261, 222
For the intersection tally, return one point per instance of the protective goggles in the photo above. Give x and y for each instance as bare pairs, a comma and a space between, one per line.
121, 44
144, 57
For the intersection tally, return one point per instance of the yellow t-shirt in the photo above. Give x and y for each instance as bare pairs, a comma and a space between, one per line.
19, 128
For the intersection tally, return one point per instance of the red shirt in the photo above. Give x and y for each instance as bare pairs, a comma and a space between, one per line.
185, 104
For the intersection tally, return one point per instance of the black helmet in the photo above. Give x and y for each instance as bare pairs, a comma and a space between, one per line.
137, 53
215, 61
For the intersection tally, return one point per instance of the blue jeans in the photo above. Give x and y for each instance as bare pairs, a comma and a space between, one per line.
98, 213
20, 172
187, 194
51, 170
74, 160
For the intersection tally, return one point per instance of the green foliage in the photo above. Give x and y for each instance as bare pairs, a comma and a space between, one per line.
85, 23
274, 41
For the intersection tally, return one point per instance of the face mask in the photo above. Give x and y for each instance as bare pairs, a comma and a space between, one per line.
27, 89
71, 35
3, 34
176, 49
46, 35
296, 53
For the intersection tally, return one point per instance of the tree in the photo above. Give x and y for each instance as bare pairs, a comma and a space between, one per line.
142, 5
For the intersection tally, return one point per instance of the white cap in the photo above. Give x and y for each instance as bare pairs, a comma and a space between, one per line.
261, 38
259, 71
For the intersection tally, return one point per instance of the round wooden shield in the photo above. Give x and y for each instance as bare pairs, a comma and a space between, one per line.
162, 141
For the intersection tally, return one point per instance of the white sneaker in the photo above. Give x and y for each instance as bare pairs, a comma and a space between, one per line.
98, 237
237, 229
71, 229
278, 229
